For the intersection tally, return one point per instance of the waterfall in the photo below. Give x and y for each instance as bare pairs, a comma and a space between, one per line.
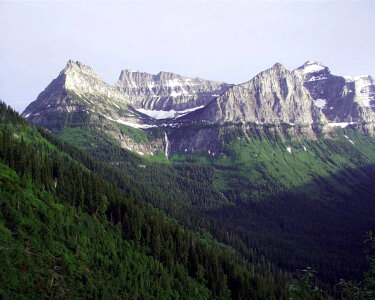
167, 144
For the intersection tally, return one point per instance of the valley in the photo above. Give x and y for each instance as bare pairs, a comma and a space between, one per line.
267, 177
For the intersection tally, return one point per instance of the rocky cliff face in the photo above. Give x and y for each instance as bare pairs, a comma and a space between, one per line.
341, 99
274, 96
165, 95
167, 91
308, 100
76, 89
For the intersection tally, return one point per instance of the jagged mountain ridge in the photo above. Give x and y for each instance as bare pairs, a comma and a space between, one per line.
78, 88
273, 96
307, 95
341, 99
310, 99
167, 91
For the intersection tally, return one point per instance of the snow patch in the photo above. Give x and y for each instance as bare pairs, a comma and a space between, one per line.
363, 86
175, 94
304, 148
173, 83
27, 115
312, 67
167, 114
150, 85
342, 124
289, 149
140, 153
321, 103
316, 78
139, 126
349, 139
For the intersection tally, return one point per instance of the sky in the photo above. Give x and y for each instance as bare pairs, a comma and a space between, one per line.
226, 41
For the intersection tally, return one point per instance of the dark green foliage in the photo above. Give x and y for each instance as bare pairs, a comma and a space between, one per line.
262, 200
52, 249
292, 208
305, 288
273, 211
67, 232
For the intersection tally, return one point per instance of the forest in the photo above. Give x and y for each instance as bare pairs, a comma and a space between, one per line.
73, 224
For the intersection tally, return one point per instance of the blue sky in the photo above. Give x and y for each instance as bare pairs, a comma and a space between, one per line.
226, 41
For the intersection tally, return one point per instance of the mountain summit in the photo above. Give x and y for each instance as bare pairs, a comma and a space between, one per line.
273, 96
309, 99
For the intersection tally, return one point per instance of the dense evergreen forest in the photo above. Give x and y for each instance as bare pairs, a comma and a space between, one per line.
65, 232
112, 223
311, 207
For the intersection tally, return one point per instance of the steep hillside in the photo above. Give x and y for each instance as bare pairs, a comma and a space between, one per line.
67, 229
267, 167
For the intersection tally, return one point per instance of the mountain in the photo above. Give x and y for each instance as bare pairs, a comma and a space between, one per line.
74, 227
309, 96
78, 98
272, 97
167, 91
309, 99
341, 98
79, 89
261, 168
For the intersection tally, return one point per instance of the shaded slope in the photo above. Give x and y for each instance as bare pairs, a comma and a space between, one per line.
57, 177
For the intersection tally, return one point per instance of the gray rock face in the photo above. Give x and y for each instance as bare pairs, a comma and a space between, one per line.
166, 91
274, 96
309, 98
341, 99
76, 89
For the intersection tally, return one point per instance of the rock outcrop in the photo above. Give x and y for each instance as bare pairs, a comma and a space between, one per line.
167, 91
272, 97
341, 99
303, 102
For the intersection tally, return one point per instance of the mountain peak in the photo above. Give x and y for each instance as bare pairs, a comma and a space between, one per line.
312, 67
277, 69
76, 66
278, 66
313, 62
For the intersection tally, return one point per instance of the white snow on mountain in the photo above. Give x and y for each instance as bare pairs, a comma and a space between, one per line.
134, 125
167, 114
321, 103
342, 124
363, 88
312, 67
363, 84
